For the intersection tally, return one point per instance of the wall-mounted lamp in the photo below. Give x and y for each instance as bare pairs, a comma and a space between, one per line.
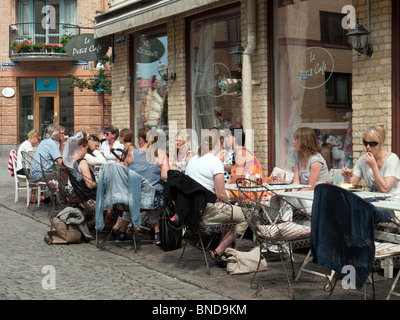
162, 69
358, 38
237, 53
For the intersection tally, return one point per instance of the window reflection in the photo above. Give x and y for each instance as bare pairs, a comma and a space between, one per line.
313, 65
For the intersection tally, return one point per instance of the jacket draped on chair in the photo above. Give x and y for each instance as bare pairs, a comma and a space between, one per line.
190, 198
342, 231
119, 185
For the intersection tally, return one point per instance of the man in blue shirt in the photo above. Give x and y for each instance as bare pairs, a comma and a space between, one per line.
49, 150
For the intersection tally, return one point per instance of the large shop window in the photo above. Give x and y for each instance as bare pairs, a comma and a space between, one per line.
313, 67
215, 79
150, 90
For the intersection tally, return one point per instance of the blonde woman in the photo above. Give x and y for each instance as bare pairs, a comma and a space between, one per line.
379, 168
27, 146
184, 151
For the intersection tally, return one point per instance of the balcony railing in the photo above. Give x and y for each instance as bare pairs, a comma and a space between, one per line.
30, 41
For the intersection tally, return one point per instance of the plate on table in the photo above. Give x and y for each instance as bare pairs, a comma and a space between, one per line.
355, 189
352, 187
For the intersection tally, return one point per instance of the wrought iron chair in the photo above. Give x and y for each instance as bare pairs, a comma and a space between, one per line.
81, 196
51, 178
27, 160
276, 224
195, 198
344, 233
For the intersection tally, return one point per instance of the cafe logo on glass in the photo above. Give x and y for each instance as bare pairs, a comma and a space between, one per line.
313, 67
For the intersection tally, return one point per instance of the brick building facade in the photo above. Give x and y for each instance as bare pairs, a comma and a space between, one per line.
20, 21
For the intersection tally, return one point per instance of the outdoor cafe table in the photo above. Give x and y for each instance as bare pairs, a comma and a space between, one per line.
259, 191
308, 195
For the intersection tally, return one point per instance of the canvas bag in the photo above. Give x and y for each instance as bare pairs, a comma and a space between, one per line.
62, 233
244, 262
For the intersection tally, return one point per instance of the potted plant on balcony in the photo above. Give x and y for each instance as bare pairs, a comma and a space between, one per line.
24, 47
48, 47
37, 46
58, 48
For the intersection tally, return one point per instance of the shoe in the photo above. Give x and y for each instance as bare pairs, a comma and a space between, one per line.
122, 236
157, 239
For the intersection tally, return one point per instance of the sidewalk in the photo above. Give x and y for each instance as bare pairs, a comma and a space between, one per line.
193, 268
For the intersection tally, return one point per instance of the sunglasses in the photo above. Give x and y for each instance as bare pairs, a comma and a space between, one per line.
370, 143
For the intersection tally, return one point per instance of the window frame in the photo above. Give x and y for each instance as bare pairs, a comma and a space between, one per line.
337, 104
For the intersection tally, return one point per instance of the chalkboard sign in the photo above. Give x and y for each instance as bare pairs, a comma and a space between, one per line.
85, 47
149, 51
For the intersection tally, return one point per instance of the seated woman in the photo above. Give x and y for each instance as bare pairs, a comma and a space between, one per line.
208, 170
126, 138
245, 160
379, 168
184, 151
74, 152
228, 158
151, 163
310, 166
93, 155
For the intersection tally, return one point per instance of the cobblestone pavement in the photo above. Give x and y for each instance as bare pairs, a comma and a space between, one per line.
116, 272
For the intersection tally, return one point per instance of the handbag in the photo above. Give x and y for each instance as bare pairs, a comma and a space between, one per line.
170, 231
245, 262
62, 233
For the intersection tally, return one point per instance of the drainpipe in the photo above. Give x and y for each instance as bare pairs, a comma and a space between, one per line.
247, 71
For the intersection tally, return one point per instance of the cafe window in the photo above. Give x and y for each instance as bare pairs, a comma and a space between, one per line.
150, 90
312, 83
215, 79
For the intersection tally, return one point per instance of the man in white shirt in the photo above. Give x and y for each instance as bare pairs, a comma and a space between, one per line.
27, 146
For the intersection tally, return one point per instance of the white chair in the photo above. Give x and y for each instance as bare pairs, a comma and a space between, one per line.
19, 179
39, 186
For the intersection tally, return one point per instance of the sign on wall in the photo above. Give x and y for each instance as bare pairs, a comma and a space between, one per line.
85, 47
46, 84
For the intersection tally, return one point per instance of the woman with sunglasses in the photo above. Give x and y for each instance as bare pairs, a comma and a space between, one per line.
379, 168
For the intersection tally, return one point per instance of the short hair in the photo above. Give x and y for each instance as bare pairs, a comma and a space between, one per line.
126, 135
377, 132
101, 130
113, 130
51, 131
33, 133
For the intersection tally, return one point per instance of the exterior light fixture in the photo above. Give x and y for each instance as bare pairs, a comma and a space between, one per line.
237, 53
359, 39
162, 69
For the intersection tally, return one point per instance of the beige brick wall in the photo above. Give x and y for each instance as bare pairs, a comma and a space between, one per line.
372, 77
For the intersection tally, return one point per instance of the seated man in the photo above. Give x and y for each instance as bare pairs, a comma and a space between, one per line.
49, 150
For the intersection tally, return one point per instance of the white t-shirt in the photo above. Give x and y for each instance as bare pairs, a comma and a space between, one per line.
25, 146
390, 168
105, 150
202, 169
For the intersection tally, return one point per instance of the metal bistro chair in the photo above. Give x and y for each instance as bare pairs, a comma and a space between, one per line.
276, 225
82, 196
51, 178
346, 231
195, 198
40, 187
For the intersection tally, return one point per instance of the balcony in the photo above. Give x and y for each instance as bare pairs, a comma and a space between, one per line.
32, 42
